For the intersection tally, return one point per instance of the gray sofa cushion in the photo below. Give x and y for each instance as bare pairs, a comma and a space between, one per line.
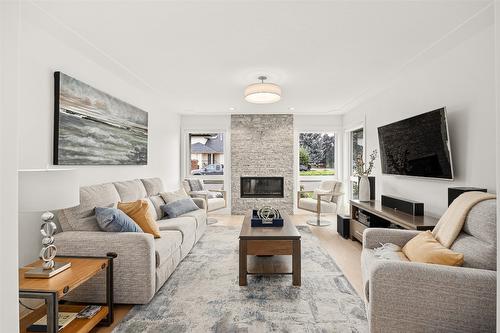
153, 186
187, 226
131, 190
82, 217
166, 245
200, 215
478, 241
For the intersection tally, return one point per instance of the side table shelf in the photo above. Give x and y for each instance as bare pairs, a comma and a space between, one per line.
53, 289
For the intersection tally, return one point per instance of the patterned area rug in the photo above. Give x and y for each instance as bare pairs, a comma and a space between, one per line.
203, 294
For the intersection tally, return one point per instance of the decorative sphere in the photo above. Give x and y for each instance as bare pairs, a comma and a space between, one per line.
47, 216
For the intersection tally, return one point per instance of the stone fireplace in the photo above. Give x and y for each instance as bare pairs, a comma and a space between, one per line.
261, 162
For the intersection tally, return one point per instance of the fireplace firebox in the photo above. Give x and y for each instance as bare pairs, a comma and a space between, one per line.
261, 187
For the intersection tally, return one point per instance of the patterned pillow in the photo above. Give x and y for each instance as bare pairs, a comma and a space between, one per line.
114, 220
179, 207
195, 184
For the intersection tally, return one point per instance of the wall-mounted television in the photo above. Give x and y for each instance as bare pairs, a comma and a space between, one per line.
417, 146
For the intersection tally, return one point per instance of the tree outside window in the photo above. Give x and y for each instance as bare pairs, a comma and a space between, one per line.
317, 154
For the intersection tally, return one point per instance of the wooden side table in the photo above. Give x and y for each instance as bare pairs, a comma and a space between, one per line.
53, 289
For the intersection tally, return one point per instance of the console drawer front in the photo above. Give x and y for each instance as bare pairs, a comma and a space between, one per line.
356, 230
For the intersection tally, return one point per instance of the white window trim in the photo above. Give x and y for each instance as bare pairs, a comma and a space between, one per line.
347, 162
185, 150
339, 143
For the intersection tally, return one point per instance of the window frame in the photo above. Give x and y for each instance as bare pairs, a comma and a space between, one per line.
186, 155
335, 154
349, 160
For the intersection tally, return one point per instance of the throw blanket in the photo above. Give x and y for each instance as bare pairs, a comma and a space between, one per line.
451, 223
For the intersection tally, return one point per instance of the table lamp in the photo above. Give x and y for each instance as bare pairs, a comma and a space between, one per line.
45, 190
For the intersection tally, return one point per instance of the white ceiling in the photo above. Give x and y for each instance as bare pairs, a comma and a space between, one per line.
199, 56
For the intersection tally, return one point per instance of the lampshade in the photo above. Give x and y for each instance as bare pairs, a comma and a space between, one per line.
45, 190
262, 93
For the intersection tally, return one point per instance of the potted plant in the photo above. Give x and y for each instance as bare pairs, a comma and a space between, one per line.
363, 171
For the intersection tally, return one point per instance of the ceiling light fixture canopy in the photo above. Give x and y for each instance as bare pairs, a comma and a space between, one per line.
263, 93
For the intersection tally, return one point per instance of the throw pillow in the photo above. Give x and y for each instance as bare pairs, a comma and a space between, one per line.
179, 207
174, 196
139, 212
326, 198
389, 251
157, 202
195, 184
426, 249
114, 220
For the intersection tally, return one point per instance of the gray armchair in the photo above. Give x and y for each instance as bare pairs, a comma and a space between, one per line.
215, 199
403, 296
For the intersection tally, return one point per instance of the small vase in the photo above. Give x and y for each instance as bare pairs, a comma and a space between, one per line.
364, 188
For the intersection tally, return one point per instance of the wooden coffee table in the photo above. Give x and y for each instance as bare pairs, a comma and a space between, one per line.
270, 241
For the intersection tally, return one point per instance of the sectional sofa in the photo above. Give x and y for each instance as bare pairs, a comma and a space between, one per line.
143, 263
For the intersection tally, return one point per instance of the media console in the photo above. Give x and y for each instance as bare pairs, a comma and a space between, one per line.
384, 217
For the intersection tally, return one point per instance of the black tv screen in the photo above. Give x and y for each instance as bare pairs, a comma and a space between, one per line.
417, 146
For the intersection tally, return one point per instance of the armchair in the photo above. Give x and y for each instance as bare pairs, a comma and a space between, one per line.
404, 296
215, 199
324, 200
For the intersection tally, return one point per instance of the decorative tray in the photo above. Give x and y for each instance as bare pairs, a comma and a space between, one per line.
257, 221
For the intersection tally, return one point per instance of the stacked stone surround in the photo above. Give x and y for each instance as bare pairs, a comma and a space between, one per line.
261, 146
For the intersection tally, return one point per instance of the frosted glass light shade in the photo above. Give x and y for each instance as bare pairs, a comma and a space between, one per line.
263, 93
45, 190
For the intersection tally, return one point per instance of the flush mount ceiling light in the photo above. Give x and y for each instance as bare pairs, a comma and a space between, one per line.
262, 93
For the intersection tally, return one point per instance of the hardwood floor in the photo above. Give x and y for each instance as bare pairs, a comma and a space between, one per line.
346, 254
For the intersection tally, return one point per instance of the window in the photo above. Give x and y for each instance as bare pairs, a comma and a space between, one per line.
356, 148
317, 154
206, 154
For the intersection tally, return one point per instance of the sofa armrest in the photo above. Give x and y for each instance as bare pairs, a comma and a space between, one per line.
375, 237
133, 269
200, 202
416, 297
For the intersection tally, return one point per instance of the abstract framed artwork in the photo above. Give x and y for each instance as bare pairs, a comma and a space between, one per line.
94, 128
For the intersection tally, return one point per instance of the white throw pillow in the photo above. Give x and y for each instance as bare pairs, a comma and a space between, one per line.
389, 251
174, 196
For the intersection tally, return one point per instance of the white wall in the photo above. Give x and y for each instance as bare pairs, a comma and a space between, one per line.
9, 22
42, 51
461, 77
497, 91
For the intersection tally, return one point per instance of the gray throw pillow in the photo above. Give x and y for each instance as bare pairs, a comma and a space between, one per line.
195, 184
179, 207
114, 220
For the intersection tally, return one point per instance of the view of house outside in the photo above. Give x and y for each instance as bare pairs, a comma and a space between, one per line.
207, 154
317, 154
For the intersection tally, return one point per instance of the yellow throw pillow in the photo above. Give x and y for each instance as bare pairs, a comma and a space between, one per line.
426, 249
139, 212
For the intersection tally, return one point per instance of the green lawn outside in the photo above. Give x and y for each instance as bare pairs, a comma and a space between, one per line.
320, 172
